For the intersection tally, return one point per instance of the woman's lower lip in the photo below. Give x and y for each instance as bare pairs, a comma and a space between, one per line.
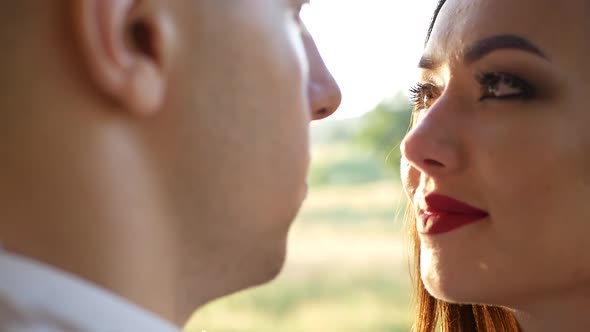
439, 223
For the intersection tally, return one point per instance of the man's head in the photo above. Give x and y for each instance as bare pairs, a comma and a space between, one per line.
159, 148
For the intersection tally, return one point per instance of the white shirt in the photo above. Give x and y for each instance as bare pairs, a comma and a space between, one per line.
35, 297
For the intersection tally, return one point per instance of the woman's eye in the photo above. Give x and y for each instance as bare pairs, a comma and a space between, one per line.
504, 86
423, 95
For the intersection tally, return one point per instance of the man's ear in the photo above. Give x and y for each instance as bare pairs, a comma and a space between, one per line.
127, 45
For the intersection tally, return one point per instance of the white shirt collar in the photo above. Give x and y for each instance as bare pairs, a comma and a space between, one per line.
37, 297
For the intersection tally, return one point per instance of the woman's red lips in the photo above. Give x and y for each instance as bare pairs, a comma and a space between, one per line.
442, 214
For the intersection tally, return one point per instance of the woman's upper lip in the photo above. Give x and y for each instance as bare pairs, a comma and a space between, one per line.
437, 203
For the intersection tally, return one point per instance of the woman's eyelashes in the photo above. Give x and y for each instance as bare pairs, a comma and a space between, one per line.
422, 95
492, 86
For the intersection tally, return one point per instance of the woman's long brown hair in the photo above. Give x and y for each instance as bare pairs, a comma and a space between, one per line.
431, 312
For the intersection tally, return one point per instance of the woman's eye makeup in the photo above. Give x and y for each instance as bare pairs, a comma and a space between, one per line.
492, 86
423, 95
499, 85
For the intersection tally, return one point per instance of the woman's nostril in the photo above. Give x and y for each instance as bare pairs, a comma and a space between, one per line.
432, 162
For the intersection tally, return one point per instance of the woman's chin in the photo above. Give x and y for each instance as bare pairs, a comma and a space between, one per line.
453, 287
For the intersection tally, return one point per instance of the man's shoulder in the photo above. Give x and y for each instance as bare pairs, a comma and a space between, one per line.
18, 318
35, 297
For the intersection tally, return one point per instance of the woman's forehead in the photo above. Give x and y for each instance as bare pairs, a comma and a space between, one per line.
556, 26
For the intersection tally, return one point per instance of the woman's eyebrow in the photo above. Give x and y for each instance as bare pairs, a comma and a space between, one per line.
483, 47
486, 46
427, 62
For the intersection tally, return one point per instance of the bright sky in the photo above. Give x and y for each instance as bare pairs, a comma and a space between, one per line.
372, 47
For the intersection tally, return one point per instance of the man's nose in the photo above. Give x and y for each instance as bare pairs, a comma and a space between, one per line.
323, 91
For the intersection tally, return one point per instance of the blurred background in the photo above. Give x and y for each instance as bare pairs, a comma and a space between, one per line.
347, 268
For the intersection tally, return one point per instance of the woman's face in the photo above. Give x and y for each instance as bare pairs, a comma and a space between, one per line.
502, 125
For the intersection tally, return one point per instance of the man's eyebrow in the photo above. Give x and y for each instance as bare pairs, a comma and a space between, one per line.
486, 46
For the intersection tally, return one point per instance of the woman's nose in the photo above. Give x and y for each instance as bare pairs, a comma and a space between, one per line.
432, 146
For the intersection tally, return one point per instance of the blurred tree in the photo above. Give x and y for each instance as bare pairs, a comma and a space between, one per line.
384, 128
330, 132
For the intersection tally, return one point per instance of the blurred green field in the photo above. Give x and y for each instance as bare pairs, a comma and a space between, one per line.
347, 266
